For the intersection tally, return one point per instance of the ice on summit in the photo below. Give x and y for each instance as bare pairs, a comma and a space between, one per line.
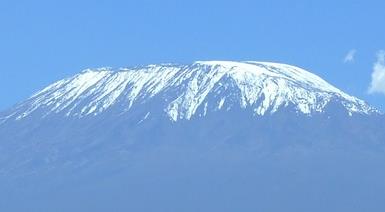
183, 91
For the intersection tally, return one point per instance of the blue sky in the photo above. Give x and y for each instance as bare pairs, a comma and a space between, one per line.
44, 41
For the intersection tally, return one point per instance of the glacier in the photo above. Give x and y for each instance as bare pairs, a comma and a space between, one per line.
185, 90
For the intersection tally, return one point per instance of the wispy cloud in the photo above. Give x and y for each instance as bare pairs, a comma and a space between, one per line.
378, 76
349, 58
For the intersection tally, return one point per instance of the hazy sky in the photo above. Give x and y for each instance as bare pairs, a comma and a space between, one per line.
44, 41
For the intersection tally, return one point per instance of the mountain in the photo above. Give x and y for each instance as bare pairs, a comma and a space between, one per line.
208, 136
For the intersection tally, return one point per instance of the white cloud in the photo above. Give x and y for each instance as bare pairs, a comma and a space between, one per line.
349, 58
378, 76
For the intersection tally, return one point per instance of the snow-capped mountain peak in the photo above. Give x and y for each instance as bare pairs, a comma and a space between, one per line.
185, 91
